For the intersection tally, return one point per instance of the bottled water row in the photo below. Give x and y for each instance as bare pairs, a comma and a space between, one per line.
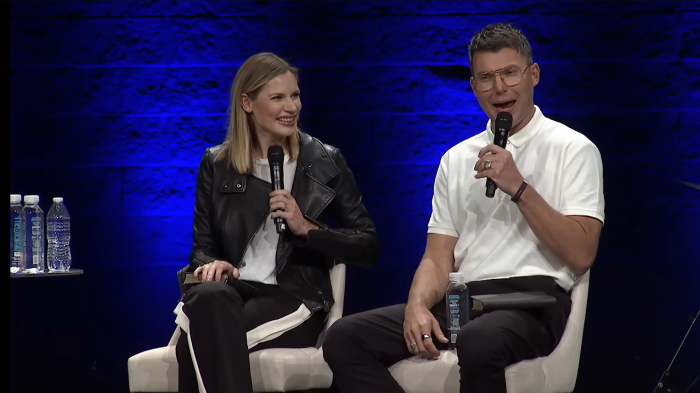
28, 253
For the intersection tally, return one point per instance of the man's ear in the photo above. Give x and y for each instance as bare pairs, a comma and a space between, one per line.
246, 103
535, 74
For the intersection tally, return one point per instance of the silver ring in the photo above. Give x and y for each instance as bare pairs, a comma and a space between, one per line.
487, 164
285, 207
413, 346
425, 336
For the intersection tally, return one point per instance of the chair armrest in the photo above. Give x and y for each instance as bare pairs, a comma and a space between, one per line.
338, 285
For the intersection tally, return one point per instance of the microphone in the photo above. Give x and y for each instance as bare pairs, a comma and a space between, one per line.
503, 123
275, 157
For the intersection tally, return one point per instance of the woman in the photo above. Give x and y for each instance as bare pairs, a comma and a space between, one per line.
261, 289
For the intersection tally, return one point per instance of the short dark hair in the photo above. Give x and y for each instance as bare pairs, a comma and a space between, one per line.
497, 36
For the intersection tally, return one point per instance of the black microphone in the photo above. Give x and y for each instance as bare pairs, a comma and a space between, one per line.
275, 157
503, 123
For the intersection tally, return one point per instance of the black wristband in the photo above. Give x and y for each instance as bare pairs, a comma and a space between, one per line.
519, 192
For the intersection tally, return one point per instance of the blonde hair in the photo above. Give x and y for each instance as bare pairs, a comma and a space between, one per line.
241, 139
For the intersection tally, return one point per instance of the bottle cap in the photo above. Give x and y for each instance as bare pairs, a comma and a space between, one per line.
454, 276
31, 199
58, 199
15, 198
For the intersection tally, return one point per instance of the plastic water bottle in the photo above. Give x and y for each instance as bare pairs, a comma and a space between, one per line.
58, 256
18, 240
35, 235
457, 299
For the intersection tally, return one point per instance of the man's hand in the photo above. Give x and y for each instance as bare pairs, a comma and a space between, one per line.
418, 322
216, 271
499, 166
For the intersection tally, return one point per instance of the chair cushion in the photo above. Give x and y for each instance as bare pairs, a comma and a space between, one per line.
283, 370
154, 370
417, 375
274, 369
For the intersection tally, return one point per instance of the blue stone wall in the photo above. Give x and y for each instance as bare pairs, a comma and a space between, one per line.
112, 104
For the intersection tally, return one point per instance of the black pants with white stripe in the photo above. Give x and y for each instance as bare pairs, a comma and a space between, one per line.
360, 347
219, 317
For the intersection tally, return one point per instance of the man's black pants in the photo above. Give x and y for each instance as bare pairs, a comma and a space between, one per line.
360, 347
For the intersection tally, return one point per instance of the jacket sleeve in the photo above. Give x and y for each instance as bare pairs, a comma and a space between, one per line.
204, 247
355, 241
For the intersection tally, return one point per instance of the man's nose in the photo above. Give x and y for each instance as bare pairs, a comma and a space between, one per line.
498, 84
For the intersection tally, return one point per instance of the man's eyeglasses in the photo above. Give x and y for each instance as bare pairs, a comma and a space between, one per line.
511, 76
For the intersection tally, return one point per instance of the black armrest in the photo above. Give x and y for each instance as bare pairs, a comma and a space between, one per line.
513, 300
181, 274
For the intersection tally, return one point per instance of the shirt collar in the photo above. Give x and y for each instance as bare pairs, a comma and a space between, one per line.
525, 134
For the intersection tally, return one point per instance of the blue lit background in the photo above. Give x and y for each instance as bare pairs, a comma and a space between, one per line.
113, 103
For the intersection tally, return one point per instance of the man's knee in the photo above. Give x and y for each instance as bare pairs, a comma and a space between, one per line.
342, 335
479, 345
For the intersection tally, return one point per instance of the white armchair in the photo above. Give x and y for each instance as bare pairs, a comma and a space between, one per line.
555, 373
272, 370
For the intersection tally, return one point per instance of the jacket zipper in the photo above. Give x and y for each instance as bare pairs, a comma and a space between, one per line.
251, 236
326, 307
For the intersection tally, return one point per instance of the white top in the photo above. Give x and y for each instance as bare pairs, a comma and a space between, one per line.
15, 198
261, 253
495, 241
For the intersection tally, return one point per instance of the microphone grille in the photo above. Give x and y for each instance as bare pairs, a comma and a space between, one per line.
275, 154
504, 117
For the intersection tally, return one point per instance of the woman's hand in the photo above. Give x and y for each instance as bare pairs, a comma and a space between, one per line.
216, 271
282, 204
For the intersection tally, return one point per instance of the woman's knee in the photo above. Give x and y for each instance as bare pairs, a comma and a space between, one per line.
211, 295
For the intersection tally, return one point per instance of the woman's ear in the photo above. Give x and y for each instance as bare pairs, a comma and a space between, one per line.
246, 103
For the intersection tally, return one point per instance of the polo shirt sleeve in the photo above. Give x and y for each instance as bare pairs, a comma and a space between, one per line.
582, 191
440, 221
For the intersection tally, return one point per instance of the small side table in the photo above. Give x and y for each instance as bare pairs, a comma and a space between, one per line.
71, 272
49, 332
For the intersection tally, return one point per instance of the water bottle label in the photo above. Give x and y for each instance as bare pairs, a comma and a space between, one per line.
17, 230
36, 226
36, 232
454, 309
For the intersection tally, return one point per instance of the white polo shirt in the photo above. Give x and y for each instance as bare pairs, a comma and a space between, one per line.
495, 240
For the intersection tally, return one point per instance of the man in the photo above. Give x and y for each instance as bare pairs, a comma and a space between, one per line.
538, 233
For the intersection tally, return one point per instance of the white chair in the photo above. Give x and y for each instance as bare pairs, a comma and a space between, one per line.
555, 373
272, 370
